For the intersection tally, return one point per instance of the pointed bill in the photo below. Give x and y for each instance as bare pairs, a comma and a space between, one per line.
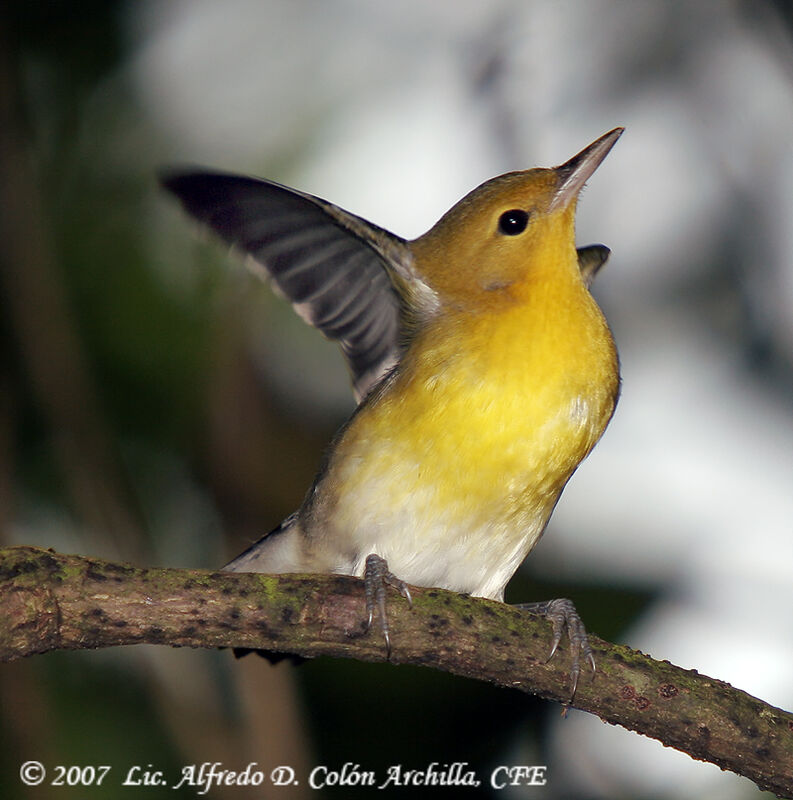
574, 173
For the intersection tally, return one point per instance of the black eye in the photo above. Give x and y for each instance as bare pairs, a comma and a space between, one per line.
513, 222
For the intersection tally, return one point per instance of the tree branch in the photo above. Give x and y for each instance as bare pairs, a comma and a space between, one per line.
50, 601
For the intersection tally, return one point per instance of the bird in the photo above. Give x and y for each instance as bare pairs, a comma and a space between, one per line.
483, 369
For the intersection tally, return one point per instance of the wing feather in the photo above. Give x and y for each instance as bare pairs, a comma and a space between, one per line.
336, 269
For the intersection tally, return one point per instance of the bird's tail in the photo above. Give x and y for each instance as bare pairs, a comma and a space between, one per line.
275, 552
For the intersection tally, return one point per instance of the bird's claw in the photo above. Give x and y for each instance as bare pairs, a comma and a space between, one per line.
376, 577
563, 616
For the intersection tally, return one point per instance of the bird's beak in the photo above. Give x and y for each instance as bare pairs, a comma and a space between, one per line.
574, 173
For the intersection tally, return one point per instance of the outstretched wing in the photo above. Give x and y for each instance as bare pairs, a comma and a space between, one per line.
335, 268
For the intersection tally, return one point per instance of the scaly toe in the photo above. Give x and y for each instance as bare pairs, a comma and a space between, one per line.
563, 616
376, 577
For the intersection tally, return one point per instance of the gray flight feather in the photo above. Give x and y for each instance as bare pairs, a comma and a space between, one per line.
338, 270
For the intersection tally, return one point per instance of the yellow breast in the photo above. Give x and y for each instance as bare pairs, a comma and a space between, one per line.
452, 471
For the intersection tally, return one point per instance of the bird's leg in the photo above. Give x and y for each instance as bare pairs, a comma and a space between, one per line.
376, 577
563, 615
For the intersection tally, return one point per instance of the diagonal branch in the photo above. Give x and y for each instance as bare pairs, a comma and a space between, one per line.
50, 601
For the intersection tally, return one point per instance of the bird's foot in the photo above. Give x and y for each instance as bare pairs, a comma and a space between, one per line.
376, 577
563, 615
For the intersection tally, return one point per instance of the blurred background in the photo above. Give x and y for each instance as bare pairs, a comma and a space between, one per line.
159, 405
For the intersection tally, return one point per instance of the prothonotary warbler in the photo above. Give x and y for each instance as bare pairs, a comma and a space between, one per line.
484, 373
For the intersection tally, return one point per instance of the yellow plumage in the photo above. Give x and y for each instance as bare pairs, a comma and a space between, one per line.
485, 368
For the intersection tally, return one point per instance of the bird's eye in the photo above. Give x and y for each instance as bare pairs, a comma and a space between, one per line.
513, 222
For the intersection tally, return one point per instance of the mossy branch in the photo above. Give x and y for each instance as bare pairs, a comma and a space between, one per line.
50, 601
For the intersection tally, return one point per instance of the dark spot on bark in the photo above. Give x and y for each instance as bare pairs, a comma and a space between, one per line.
643, 703
227, 590
190, 630
667, 690
120, 623
234, 613
94, 575
189, 583
627, 692
763, 752
121, 569
22, 568
155, 635
467, 620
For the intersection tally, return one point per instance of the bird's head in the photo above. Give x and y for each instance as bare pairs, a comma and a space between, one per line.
508, 232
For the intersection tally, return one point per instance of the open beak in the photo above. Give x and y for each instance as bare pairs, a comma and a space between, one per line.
573, 174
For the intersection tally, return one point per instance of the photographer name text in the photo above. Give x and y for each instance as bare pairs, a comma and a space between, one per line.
208, 775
